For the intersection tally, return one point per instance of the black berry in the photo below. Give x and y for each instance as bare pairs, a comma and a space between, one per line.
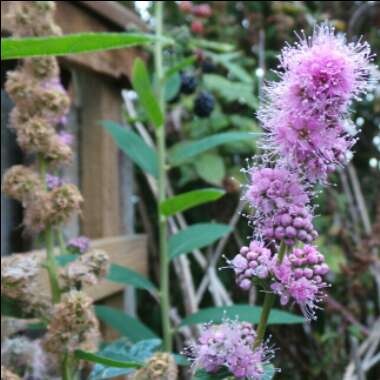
188, 83
204, 104
208, 67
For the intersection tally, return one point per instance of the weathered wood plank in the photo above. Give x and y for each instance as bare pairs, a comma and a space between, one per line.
99, 100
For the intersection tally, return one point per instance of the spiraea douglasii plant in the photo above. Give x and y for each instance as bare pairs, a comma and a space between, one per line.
38, 120
308, 135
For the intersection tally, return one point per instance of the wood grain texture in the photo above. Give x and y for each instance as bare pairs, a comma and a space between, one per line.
99, 100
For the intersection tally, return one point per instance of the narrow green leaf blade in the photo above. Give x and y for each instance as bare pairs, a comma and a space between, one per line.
133, 146
246, 313
12, 48
124, 324
180, 153
93, 358
185, 201
180, 66
142, 85
123, 275
196, 236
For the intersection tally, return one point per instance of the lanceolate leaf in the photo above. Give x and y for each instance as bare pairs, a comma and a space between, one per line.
12, 48
190, 199
142, 85
134, 147
195, 237
246, 313
210, 167
181, 153
124, 324
93, 358
123, 275
180, 66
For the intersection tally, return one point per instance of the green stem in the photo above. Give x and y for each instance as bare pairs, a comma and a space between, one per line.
51, 264
268, 303
66, 368
61, 241
161, 147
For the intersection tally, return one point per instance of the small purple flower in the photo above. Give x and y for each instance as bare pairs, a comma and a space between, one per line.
276, 188
230, 345
300, 278
80, 244
252, 261
66, 137
53, 181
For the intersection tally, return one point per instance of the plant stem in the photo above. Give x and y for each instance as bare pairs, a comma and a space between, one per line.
51, 264
161, 147
61, 241
268, 303
66, 368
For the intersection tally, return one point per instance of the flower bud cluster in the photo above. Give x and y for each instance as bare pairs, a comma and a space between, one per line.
230, 345
89, 268
73, 325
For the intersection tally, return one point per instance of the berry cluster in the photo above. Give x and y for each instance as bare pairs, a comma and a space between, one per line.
204, 104
199, 12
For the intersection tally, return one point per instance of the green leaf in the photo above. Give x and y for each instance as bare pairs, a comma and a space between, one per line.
201, 374
63, 260
142, 85
124, 324
210, 167
123, 275
213, 45
122, 350
133, 146
246, 313
181, 153
172, 87
13, 308
12, 48
231, 91
93, 358
196, 236
185, 201
180, 66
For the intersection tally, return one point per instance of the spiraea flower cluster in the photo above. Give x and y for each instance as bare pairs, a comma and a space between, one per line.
230, 346
298, 277
89, 268
281, 205
19, 280
73, 325
38, 118
161, 366
306, 113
